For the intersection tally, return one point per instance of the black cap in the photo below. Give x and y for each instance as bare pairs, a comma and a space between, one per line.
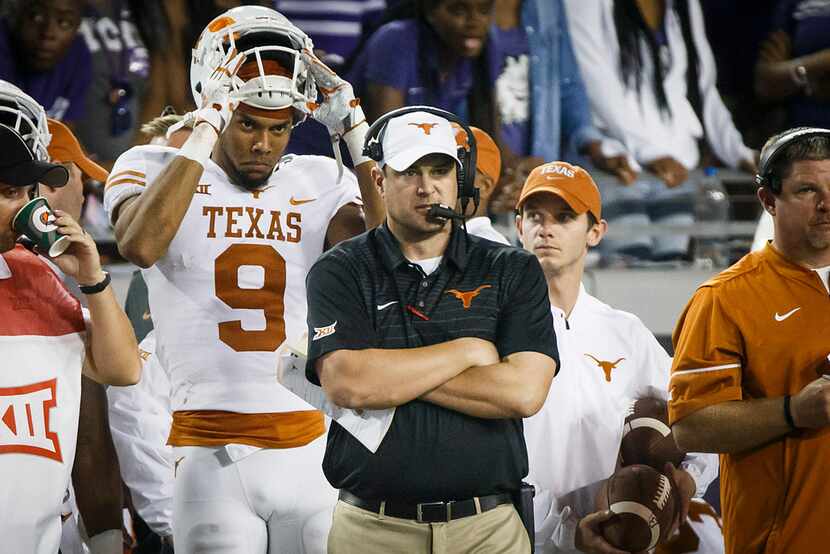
18, 166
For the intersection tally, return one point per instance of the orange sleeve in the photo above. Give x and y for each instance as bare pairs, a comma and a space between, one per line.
708, 356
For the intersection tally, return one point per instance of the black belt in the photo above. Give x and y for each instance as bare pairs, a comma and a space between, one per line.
429, 512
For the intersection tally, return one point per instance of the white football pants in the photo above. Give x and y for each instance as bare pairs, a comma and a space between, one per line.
255, 505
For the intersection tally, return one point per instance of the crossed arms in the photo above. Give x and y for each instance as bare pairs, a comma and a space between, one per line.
464, 374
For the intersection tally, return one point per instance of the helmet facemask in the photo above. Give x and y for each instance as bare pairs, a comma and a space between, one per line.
23, 114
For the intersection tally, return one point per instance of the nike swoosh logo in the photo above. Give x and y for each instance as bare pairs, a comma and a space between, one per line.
786, 315
145, 316
294, 202
384, 306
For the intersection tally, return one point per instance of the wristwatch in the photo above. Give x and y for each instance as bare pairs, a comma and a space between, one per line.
97, 287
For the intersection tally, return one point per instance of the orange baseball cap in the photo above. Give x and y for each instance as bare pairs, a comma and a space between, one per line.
64, 147
488, 156
569, 182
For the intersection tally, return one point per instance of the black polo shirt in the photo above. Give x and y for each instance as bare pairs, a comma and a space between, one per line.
365, 294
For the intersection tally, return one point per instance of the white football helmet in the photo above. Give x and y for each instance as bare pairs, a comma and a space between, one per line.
22, 113
260, 34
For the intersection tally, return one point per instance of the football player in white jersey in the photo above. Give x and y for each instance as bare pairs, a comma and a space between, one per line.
609, 358
231, 228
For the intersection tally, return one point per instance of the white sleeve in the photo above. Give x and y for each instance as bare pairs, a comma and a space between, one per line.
721, 133
656, 362
140, 421
128, 178
615, 109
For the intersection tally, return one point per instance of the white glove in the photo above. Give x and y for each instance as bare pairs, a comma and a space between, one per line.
216, 105
340, 111
215, 109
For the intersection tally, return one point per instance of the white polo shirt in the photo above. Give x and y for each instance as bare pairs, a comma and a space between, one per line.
483, 227
608, 358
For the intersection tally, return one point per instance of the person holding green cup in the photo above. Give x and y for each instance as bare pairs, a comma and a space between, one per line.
47, 341
19, 168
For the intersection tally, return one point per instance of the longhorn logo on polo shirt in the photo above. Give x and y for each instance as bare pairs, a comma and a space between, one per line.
466, 297
425, 127
25, 421
606, 366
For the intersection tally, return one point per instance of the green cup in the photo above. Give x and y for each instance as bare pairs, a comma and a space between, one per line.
36, 221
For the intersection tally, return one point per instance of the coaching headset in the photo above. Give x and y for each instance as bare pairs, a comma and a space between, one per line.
466, 176
772, 152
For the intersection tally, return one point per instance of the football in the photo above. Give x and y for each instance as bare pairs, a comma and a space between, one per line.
644, 503
647, 438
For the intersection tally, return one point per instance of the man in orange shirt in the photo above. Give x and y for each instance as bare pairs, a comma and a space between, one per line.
751, 350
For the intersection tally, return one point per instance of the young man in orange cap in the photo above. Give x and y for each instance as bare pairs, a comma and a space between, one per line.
611, 359
65, 149
488, 171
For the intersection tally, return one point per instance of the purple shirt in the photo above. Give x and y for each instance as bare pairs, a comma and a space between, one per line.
393, 56
807, 23
509, 67
61, 90
335, 27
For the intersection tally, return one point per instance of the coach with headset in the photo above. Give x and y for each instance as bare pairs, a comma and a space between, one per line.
452, 331
751, 378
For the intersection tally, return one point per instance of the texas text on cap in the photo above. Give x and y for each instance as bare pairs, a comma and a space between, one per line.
569, 182
411, 136
64, 147
19, 168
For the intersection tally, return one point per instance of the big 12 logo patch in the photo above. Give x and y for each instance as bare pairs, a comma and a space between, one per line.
24, 420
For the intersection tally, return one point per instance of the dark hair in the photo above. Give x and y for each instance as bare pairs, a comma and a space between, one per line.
631, 30
807, 148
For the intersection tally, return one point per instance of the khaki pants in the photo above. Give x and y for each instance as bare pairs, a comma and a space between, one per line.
358, 531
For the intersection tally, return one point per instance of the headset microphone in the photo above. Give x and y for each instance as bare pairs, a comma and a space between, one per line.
443, 212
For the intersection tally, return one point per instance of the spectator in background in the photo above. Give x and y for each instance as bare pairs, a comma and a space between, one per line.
650, 76
735, 57
543, 109
507, 67
337, 29
429, 53
794, 62
41, 52
129, 80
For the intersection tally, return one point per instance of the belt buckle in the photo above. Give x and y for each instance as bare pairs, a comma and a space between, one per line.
435, 512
